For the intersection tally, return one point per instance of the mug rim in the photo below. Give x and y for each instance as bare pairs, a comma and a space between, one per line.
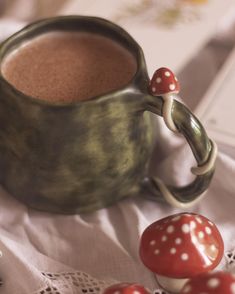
139, 57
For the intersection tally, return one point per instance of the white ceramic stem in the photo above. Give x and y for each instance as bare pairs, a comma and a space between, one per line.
198, 170
166, 112
203, 169
171, 199
170, 284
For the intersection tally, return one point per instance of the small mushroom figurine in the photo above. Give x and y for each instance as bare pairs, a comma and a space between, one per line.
211, 283
126, 288
164, 83
179, 247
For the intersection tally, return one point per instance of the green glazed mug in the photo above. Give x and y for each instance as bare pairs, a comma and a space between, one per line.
101, 154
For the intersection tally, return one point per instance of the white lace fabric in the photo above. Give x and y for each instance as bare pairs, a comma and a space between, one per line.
82, 283
71, 282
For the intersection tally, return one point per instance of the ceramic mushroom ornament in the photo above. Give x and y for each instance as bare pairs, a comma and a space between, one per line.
179, 247
164, 83
211, 283
126, 288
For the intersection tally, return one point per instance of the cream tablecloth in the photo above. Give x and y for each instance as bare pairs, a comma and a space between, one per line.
56, 254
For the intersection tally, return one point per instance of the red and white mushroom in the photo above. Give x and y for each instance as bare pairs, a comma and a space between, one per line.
126, 288
211, 283
164, 83
179, 247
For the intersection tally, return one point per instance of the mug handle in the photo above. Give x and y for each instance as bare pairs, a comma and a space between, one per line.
178, 118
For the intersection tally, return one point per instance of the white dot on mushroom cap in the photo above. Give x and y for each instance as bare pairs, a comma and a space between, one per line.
178, 241
172, 250
198, 219
172, 87
176, 79
185, 228
184, 256
213, 283
233, 288
156, 251
210, 223
176, 218
158, 80
201, 235
213, 247
187, 289
164, 238
153, 242
193, 224
208, 230
117, 292
136, 292
153, 89
167, 74
170, 229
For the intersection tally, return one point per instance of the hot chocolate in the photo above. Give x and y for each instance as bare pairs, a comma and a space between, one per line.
69, 66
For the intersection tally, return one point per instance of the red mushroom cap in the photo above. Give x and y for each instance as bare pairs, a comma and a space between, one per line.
164, 82
181, 246
211, 283
126, 288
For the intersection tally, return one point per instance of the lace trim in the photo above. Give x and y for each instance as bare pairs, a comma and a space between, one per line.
72, 282
159, 291
82, 283
76, 283
230, 259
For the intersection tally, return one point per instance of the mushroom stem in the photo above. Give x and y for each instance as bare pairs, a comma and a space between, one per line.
171, 285
167, 111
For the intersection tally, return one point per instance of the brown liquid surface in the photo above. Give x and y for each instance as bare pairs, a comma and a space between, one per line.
69, 66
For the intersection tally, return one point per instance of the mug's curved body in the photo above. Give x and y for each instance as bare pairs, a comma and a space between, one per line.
80, 156
70, 159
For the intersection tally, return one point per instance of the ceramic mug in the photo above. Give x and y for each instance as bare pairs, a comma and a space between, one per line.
101, 154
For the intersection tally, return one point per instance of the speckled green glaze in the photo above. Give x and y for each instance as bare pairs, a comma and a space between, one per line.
72, 158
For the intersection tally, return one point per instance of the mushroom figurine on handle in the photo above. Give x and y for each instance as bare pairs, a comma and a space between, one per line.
164, 83
211, 283
126, 288
179, 247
